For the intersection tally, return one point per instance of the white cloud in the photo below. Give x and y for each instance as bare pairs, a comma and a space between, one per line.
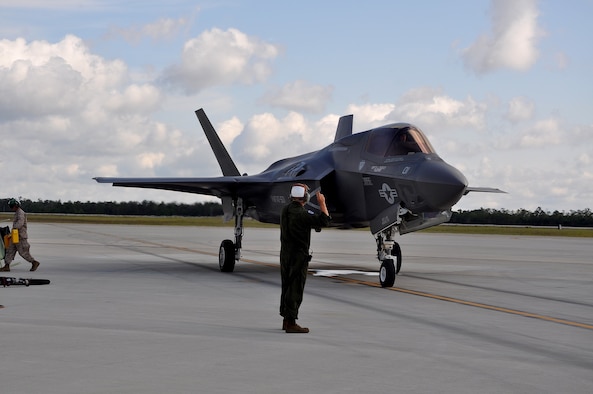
218, 57
369, 115
40, 78
266, 139
133, 99
545, 133
300, 96
150, 159
512, 42
229, 130
72, 115
431, 109
520, 109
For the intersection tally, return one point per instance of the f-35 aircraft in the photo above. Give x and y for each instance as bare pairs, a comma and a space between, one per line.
388, 178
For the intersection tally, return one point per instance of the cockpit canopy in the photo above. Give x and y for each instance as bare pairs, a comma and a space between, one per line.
398, 139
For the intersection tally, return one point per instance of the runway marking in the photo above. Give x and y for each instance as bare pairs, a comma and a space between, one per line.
375, 284
469, 303
414, 292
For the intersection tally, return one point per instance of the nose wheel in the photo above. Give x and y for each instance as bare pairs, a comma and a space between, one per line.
390, 267
387, 273
390, 255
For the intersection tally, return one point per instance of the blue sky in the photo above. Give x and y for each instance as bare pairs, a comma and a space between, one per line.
108, 88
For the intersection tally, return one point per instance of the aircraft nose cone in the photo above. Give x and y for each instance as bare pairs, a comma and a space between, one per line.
440, 185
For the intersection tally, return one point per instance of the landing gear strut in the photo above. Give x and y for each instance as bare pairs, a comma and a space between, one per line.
229, 251
390, 255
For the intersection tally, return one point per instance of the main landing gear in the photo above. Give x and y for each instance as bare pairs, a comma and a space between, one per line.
390, 255
229, 251
388, 251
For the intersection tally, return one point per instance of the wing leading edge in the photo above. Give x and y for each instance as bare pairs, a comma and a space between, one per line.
482, 190
218, 186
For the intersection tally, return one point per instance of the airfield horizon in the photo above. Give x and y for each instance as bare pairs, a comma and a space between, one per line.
217, 221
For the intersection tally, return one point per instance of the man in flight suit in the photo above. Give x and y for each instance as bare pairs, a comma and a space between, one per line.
19, 223
295, 238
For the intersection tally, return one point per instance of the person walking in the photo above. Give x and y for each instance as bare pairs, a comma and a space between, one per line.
19, 223
296, 223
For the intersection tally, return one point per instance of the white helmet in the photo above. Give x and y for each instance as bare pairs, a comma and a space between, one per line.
300, 192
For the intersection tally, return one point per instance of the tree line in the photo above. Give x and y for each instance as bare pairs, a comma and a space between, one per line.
521, 217
144, 208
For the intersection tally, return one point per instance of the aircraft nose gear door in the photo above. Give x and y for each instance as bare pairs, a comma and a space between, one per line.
230, 252
390, 255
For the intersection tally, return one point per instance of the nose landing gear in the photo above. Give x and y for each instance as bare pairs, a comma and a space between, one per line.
390, 255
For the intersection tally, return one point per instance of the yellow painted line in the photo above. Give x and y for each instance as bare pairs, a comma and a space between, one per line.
398, 289
422, 294
470, 303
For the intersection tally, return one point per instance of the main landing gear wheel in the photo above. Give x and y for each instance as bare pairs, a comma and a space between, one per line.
226, 256
397, 253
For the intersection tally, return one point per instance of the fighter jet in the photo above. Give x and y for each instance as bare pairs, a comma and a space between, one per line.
389, 179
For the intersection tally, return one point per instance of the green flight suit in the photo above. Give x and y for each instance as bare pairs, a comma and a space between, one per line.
295, 238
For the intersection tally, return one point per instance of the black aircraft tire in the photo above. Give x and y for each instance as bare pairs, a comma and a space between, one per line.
38, 281
387, 273
226, 256
398, 254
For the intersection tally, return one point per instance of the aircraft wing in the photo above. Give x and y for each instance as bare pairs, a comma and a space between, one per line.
482, 190
225, 186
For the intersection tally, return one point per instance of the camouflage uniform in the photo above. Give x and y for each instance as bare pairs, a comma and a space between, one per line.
295, 238
20, 223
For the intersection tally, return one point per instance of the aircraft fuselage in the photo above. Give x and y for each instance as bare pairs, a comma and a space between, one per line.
361, 180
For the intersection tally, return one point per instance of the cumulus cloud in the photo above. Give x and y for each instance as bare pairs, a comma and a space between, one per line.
266, 138
218, 57
369, 115
520, 109
72, 115
300, 96
229, 130
512, 41
41, 78
431, 108
545, 133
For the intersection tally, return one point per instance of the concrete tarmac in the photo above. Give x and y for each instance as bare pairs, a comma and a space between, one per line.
144, 309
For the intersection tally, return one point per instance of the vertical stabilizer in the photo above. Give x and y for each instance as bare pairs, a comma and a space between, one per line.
227, 165
344, 127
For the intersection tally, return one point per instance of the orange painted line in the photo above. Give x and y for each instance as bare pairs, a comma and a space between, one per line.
471, 303
398, 289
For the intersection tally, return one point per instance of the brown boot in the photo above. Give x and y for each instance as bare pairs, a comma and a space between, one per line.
6, 268
284, 324
34, 265
293, 328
